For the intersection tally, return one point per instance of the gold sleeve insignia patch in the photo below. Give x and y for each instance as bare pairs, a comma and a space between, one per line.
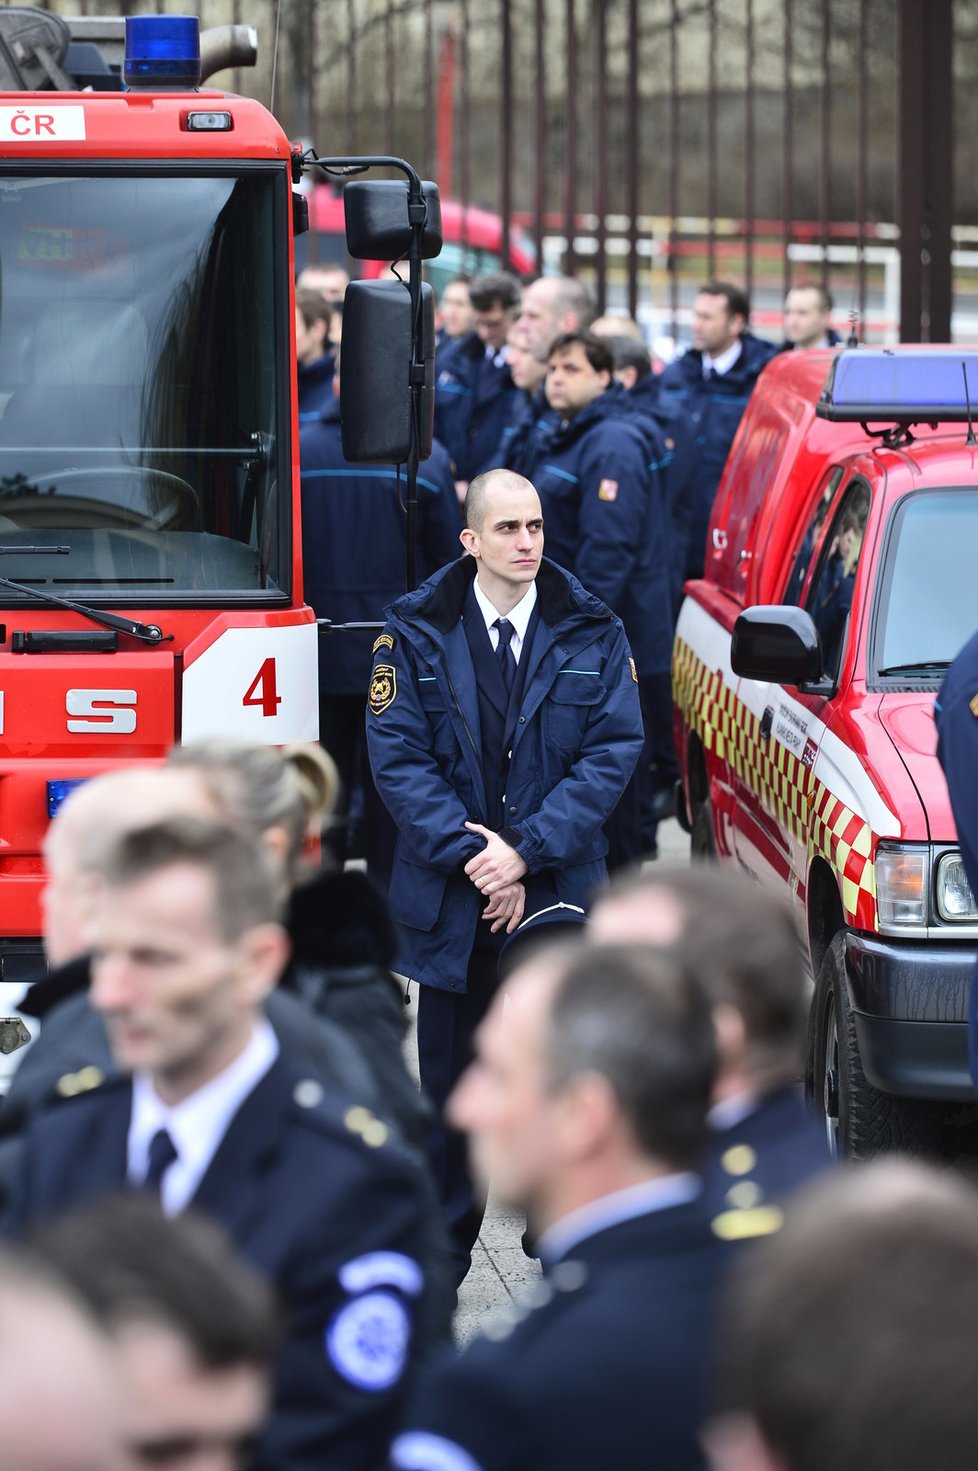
383, 688
608, 490
631, 665
973, 707
383, 642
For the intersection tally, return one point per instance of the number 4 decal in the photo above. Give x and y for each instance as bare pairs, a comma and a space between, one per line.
263, 690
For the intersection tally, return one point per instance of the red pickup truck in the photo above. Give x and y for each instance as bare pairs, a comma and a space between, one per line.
841, 579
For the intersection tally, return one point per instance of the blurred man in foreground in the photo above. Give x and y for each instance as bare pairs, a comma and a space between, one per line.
194, 1329
764, 1141
850, 1340
586, 1107
187, 945
58, 1376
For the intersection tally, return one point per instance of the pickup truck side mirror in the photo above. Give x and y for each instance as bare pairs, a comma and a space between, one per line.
777, 642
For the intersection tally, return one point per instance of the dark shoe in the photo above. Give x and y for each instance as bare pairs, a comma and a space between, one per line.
664, 804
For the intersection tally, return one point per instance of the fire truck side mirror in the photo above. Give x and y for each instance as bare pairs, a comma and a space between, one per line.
377, 224
376, 369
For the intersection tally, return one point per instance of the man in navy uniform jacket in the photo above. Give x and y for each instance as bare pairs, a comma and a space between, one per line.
765, 1140
710, 385
503, 724
595, 467
216, 1115
586, 1107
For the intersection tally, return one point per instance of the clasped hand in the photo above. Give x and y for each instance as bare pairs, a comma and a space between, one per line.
496, 872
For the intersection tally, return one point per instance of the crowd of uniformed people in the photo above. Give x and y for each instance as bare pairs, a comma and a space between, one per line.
236, 1222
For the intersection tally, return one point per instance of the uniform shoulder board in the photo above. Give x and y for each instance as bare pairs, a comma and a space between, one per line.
384, 641
373, 1131
744, 1225
319, 1106
69, 1085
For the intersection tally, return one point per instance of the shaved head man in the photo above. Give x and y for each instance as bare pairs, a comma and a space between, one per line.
503, 724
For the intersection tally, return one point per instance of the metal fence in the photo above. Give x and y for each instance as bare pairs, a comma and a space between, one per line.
647, 144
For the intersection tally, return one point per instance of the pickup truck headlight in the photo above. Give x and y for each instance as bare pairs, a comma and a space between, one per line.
901, 885
955, 900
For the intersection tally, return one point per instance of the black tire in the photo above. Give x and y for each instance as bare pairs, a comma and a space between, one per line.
702, 847
860, 1121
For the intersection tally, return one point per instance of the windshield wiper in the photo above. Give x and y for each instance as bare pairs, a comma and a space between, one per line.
927, 666
147, 633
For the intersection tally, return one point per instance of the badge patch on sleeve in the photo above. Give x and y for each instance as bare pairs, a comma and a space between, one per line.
384, 641
367, 1342
973, 707
383, 688
608, 490
631, 665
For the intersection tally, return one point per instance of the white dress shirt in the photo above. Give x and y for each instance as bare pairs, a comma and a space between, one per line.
519, 617
724, 362
622, 1205
730, 1112
198, 1124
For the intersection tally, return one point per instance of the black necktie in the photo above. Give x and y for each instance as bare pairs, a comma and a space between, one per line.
162, 1154
505, 657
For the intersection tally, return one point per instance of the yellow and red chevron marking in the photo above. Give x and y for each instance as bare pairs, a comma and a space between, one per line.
802, 805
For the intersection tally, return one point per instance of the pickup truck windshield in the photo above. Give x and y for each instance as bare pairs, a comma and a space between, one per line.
928, 609
143, 416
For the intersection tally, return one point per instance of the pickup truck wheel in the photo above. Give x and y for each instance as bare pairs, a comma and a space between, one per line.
702, 848
860, 1121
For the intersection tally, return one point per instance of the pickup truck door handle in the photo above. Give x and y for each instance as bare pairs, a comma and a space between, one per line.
767, 720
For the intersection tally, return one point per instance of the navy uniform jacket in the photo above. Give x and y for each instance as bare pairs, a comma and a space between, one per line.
574, 746
474, 402
675, 443
957, 751
714, 407
832, 340
354, 542
752, 1166
604, 517
315, 1196
606, 1373
315, 383
515, 446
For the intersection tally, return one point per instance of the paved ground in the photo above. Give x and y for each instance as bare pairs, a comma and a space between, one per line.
499, 1268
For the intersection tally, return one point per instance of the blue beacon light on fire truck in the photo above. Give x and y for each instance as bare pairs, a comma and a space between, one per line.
162, 51
876, 385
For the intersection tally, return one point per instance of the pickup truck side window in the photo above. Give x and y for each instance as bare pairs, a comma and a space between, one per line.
804, 555
829, 598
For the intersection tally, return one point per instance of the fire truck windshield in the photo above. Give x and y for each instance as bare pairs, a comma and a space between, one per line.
145, 417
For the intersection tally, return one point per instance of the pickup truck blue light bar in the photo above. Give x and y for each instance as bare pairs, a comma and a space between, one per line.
886, 385
162, 51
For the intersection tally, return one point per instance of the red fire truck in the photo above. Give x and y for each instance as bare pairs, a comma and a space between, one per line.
150, 573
